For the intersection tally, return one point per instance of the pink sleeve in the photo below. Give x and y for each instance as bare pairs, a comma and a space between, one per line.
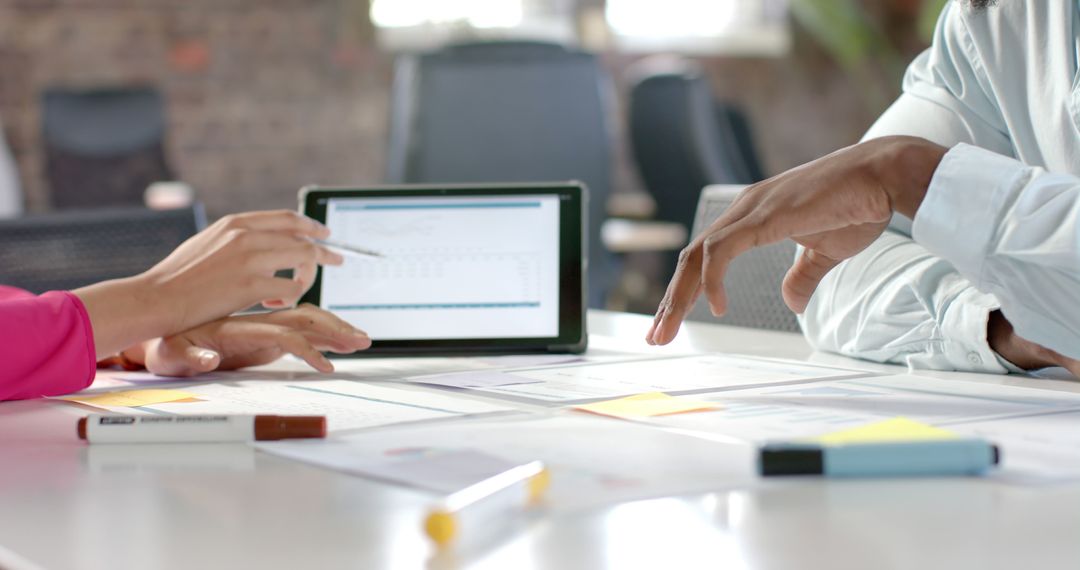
46, 344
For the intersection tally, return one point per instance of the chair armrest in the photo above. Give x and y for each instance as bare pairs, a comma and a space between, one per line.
633, 205
626, 236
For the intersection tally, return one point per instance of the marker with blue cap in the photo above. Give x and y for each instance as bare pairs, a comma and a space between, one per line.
926, 458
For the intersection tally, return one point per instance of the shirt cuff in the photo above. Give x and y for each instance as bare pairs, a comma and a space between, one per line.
964, 327
958, 216
86, 379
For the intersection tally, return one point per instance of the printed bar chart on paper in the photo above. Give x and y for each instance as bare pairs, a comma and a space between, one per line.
674, 375
461, 268
785, 412
346, 404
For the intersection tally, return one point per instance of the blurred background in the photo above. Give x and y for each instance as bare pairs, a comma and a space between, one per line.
232, 105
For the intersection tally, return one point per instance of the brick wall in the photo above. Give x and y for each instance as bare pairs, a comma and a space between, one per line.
265, 96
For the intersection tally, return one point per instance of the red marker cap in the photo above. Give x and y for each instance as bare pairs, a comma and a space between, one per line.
289, 427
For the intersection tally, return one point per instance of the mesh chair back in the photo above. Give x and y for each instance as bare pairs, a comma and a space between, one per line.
67, 250
103, 147
506, 112
753, 279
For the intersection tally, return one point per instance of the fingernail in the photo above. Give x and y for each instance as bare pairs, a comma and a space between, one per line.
206, 357
361, 335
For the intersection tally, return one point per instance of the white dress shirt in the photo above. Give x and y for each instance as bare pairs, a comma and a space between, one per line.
999, 225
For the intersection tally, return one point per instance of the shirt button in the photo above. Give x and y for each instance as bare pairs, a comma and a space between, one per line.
974, 358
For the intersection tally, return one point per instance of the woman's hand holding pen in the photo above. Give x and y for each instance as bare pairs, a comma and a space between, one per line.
225, 268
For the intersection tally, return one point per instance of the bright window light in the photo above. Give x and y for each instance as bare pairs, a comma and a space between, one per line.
748, 27
475, 13
645, 18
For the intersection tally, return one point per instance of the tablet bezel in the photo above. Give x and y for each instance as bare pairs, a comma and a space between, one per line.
572, 337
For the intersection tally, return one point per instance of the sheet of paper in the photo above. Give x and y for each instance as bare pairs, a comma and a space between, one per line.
592, 460
530, 360
809, 410
474, 379
1032, 427
113, 380
1035, 448
437, 470
646, 405
133, 398
346, 404
583, 382
895, 429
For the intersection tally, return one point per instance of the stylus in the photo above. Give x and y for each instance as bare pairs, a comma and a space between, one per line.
348, 248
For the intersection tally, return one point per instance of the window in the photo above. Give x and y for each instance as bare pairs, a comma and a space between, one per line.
425, 24
749, 27
474, 13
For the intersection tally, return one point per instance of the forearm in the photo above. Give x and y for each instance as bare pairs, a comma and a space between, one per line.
1019, 239
897, 303
123, 313
906, 165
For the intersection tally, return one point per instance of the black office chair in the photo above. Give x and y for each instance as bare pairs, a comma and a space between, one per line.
103, 147
67, 250
507, 112
683, 140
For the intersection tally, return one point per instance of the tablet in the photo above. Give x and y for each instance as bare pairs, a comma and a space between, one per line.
460, 268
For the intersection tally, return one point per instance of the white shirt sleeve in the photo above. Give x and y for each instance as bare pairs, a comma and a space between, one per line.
1014, 231
896, 301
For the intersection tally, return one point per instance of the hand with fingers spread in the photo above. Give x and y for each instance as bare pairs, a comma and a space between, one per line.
834, 206
227, 267
251, 340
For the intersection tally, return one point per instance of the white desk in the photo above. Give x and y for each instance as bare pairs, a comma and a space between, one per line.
232, 507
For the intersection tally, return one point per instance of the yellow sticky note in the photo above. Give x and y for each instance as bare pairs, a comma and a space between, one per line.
132, 398
896, 429
647, 405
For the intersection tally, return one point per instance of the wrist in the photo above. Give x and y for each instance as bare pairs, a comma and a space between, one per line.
999, 335
1006, 343
905, 167
123, 313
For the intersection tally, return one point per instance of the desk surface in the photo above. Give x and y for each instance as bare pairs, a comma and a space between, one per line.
231, 506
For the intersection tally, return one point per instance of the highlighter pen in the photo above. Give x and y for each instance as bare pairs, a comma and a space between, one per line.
930, 458
346, 248
101, 428
475, 511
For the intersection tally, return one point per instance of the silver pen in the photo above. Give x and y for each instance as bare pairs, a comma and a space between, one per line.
346, 248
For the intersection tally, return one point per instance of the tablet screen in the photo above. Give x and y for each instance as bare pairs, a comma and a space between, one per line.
466, 267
